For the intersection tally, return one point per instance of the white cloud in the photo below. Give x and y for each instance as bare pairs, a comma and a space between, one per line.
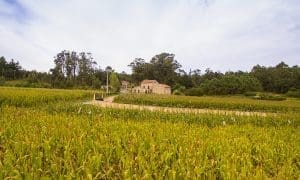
218, 34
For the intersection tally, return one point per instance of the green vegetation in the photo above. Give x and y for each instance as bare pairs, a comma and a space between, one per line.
114, 83
74, 70
26, 84
194, 92
165, 69
28, 97
279, 79
226, 102
269, 96
249, 93
294, 93
14, 83
64, 139
2, 80
231, 84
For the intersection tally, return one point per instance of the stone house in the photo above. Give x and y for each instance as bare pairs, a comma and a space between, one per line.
152, 86
125, 87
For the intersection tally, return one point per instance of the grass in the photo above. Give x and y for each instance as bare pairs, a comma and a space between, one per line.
69, 140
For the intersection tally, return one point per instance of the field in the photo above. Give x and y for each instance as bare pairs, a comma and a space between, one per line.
49, 133
25, 97
210, 102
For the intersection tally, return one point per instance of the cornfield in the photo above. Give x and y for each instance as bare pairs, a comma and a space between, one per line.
25, 97
61, 138
210, 102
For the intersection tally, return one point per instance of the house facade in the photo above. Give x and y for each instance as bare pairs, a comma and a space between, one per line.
125, 87
152, 86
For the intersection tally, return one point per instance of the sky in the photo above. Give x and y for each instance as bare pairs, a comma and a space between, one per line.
223, 35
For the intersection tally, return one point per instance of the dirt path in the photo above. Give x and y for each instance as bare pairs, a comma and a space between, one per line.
109, 99
108, 103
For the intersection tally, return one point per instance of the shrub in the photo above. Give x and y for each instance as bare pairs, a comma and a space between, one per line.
194, 92
231, 84
177, 92
33, 85
294, 93
178, 89
250, 93
2, 80
23, 84
268, 96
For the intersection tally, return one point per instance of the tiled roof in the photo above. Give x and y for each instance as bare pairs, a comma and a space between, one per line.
164, 85
146, 81
149, 81
124, 82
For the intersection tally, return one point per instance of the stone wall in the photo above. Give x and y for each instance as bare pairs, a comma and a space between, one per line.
152, 86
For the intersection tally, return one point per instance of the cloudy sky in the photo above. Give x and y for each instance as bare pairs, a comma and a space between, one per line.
219, 34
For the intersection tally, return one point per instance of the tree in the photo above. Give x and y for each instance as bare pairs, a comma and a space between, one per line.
195, 77
3, 65
123, 76
2, 80
209, 75
184, 80
140, 70
10, 70
165, 68
73, 69
162, 67
278, 79
96, 83
114, 82
231, 84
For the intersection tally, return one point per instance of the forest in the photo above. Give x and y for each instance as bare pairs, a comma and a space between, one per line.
73, 70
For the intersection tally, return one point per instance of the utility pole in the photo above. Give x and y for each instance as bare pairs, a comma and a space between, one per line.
106, 82
108, 69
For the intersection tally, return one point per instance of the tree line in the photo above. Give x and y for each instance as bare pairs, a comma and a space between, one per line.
164, 68
10, 70
71, 70
80, 70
